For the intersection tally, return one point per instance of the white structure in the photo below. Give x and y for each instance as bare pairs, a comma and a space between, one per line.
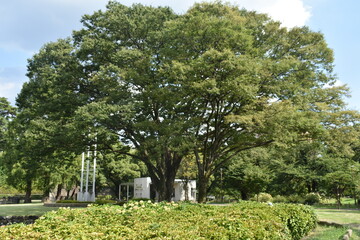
143, 188
87, 180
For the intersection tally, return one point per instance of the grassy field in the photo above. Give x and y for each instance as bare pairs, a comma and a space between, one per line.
342, 216
349, 218
329, 233
36, 209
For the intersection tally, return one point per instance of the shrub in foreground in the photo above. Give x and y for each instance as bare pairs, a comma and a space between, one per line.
147, 220
300, 219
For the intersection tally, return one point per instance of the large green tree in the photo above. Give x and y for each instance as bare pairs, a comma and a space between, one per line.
215, 81
121, 53
249, 82
211, 83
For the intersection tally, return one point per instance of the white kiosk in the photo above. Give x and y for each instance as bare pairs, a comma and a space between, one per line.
143, 188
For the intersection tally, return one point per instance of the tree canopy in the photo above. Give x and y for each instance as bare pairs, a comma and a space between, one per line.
210, 83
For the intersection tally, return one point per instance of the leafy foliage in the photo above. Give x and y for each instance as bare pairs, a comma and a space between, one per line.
147, 220
312, 198
7, 112
203, 86
263, 197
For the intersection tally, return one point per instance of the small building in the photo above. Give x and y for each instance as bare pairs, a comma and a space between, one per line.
143, 188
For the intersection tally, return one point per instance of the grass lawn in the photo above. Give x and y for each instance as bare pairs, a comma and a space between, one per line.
36, 209
349, 218
342, 216
330, 233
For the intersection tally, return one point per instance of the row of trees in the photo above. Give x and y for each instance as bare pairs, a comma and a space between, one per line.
169, 90
293, 172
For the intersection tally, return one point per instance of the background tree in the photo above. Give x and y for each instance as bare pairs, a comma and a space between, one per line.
248, 174
118, 168
20, 161
7, 112
39, 135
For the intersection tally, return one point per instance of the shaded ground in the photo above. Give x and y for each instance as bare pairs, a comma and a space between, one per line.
33, 209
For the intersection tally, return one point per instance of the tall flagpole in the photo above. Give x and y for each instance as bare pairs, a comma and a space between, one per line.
94, 172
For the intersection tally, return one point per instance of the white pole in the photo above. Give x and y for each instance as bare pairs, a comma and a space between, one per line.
87, 174
82, 175
94, 173
82, 171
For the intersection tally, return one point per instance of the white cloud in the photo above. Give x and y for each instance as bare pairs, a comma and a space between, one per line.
27, 25
9, 90
11, 81
290, 13
337, 83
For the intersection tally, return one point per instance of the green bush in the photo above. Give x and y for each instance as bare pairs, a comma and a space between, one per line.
21, 196
264, 197
295, 199
67, 201
72, 201
279, 199
312, 198
141, 199
147, 220
104, 201
35, 196
300, 219
98, 201
104, 197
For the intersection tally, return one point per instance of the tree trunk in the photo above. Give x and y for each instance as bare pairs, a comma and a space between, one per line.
164, 186
244, 195
72, 196
58, 192
28, 190
47, 190
163, 175
186, 189
202, 187
314, 186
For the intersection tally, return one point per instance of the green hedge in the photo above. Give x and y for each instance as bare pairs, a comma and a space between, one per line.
21, 196
98, 201
147, 220
300, 219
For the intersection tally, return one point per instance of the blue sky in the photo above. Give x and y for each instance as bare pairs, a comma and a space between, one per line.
26, 25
